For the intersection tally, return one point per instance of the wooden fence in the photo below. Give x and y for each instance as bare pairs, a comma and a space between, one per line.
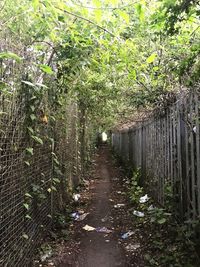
167, 149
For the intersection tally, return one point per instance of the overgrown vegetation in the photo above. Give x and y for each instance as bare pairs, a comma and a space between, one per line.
69, 69
169, 242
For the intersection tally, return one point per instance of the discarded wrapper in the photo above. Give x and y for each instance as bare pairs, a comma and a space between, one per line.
103, 230
119, 205
76, 197
126, 235
138, 213
98, 229
75, 215
82, 217
144, 199
88, 228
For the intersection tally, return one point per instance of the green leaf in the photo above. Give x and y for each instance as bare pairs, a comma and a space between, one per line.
32, 108
2, 85
28, 195
10, 55
26, 206
46, 69
33, 117
25, 236
124, 15
56, 161
162, 220
29, 150
28, 217
56, 180
35, 4
53, 188
30, 130
37, 139
151, 58
98, 15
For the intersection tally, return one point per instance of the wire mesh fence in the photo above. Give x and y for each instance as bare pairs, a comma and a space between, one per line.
27, 173
167, 149
39, 154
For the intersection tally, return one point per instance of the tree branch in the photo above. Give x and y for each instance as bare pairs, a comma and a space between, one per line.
88, 20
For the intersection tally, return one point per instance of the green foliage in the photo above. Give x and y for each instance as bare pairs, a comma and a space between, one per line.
10, 55
135, 191
170, 243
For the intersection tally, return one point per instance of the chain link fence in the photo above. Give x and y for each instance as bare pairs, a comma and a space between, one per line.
39, 152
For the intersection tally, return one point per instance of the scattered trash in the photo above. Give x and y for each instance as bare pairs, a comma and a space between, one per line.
144, 199
88, 228
51, 263
103, 230
119, 205
119, 192
82, 217
75, 215
76, 197
132, 247
138, 213
150, 208
107, 241
79, 215
98, 229
128, 234
80, 211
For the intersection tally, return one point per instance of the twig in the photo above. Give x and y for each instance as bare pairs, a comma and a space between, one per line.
88, 20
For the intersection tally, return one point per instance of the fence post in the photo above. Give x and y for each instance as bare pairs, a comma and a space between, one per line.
143, 154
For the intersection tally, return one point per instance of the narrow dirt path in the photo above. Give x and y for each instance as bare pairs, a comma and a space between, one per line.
95, 249
98, 249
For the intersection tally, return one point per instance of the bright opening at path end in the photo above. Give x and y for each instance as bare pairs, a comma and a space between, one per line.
104, 137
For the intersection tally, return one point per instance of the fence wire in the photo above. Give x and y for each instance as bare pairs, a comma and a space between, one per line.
167, 149
28, 169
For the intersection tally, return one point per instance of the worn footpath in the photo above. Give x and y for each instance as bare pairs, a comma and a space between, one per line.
99, 240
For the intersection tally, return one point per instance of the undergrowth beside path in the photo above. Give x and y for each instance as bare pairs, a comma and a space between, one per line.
111, 200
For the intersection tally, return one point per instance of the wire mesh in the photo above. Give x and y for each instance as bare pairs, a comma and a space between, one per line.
27, 168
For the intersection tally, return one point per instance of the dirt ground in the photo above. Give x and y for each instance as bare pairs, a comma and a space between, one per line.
106, 201
96, 249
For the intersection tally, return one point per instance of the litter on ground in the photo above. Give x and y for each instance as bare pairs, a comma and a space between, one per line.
144, 199
119, 205
138, 213
88, 228
103, 230
76, 197
126, 235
